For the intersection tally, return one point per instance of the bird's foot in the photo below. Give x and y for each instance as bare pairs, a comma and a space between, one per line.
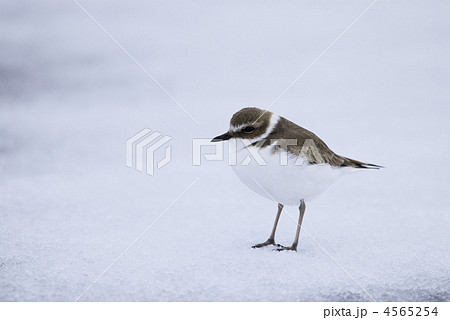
264, 244
283, 248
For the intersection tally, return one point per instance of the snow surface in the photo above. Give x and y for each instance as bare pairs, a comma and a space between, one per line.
70, 98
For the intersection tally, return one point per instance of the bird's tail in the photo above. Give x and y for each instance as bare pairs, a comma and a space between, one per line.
359, 165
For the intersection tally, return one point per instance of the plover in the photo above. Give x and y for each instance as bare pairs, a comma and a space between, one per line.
294, 165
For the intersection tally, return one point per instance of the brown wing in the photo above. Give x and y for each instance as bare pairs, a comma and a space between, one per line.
311, 146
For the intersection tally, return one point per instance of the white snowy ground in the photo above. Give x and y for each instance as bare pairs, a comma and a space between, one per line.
69, 99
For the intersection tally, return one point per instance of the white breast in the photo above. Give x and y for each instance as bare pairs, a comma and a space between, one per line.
287, 182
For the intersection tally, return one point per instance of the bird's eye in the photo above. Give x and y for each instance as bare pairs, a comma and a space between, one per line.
249, 129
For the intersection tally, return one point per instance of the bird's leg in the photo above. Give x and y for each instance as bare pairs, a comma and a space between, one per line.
271, 239
301, 208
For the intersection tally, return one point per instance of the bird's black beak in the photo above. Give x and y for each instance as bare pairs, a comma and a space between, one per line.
225, 136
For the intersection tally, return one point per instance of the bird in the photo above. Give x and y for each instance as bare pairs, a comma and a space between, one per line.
290, 164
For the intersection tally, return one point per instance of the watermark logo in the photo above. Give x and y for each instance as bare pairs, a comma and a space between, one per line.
143, 145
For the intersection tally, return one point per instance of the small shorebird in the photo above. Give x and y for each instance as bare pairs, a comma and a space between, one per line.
295, 165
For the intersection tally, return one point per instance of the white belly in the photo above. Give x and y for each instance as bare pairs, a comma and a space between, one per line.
285, 182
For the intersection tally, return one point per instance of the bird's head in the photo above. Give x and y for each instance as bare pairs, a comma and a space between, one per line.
251, 124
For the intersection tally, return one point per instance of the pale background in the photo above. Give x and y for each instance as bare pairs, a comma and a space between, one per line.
70, 98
